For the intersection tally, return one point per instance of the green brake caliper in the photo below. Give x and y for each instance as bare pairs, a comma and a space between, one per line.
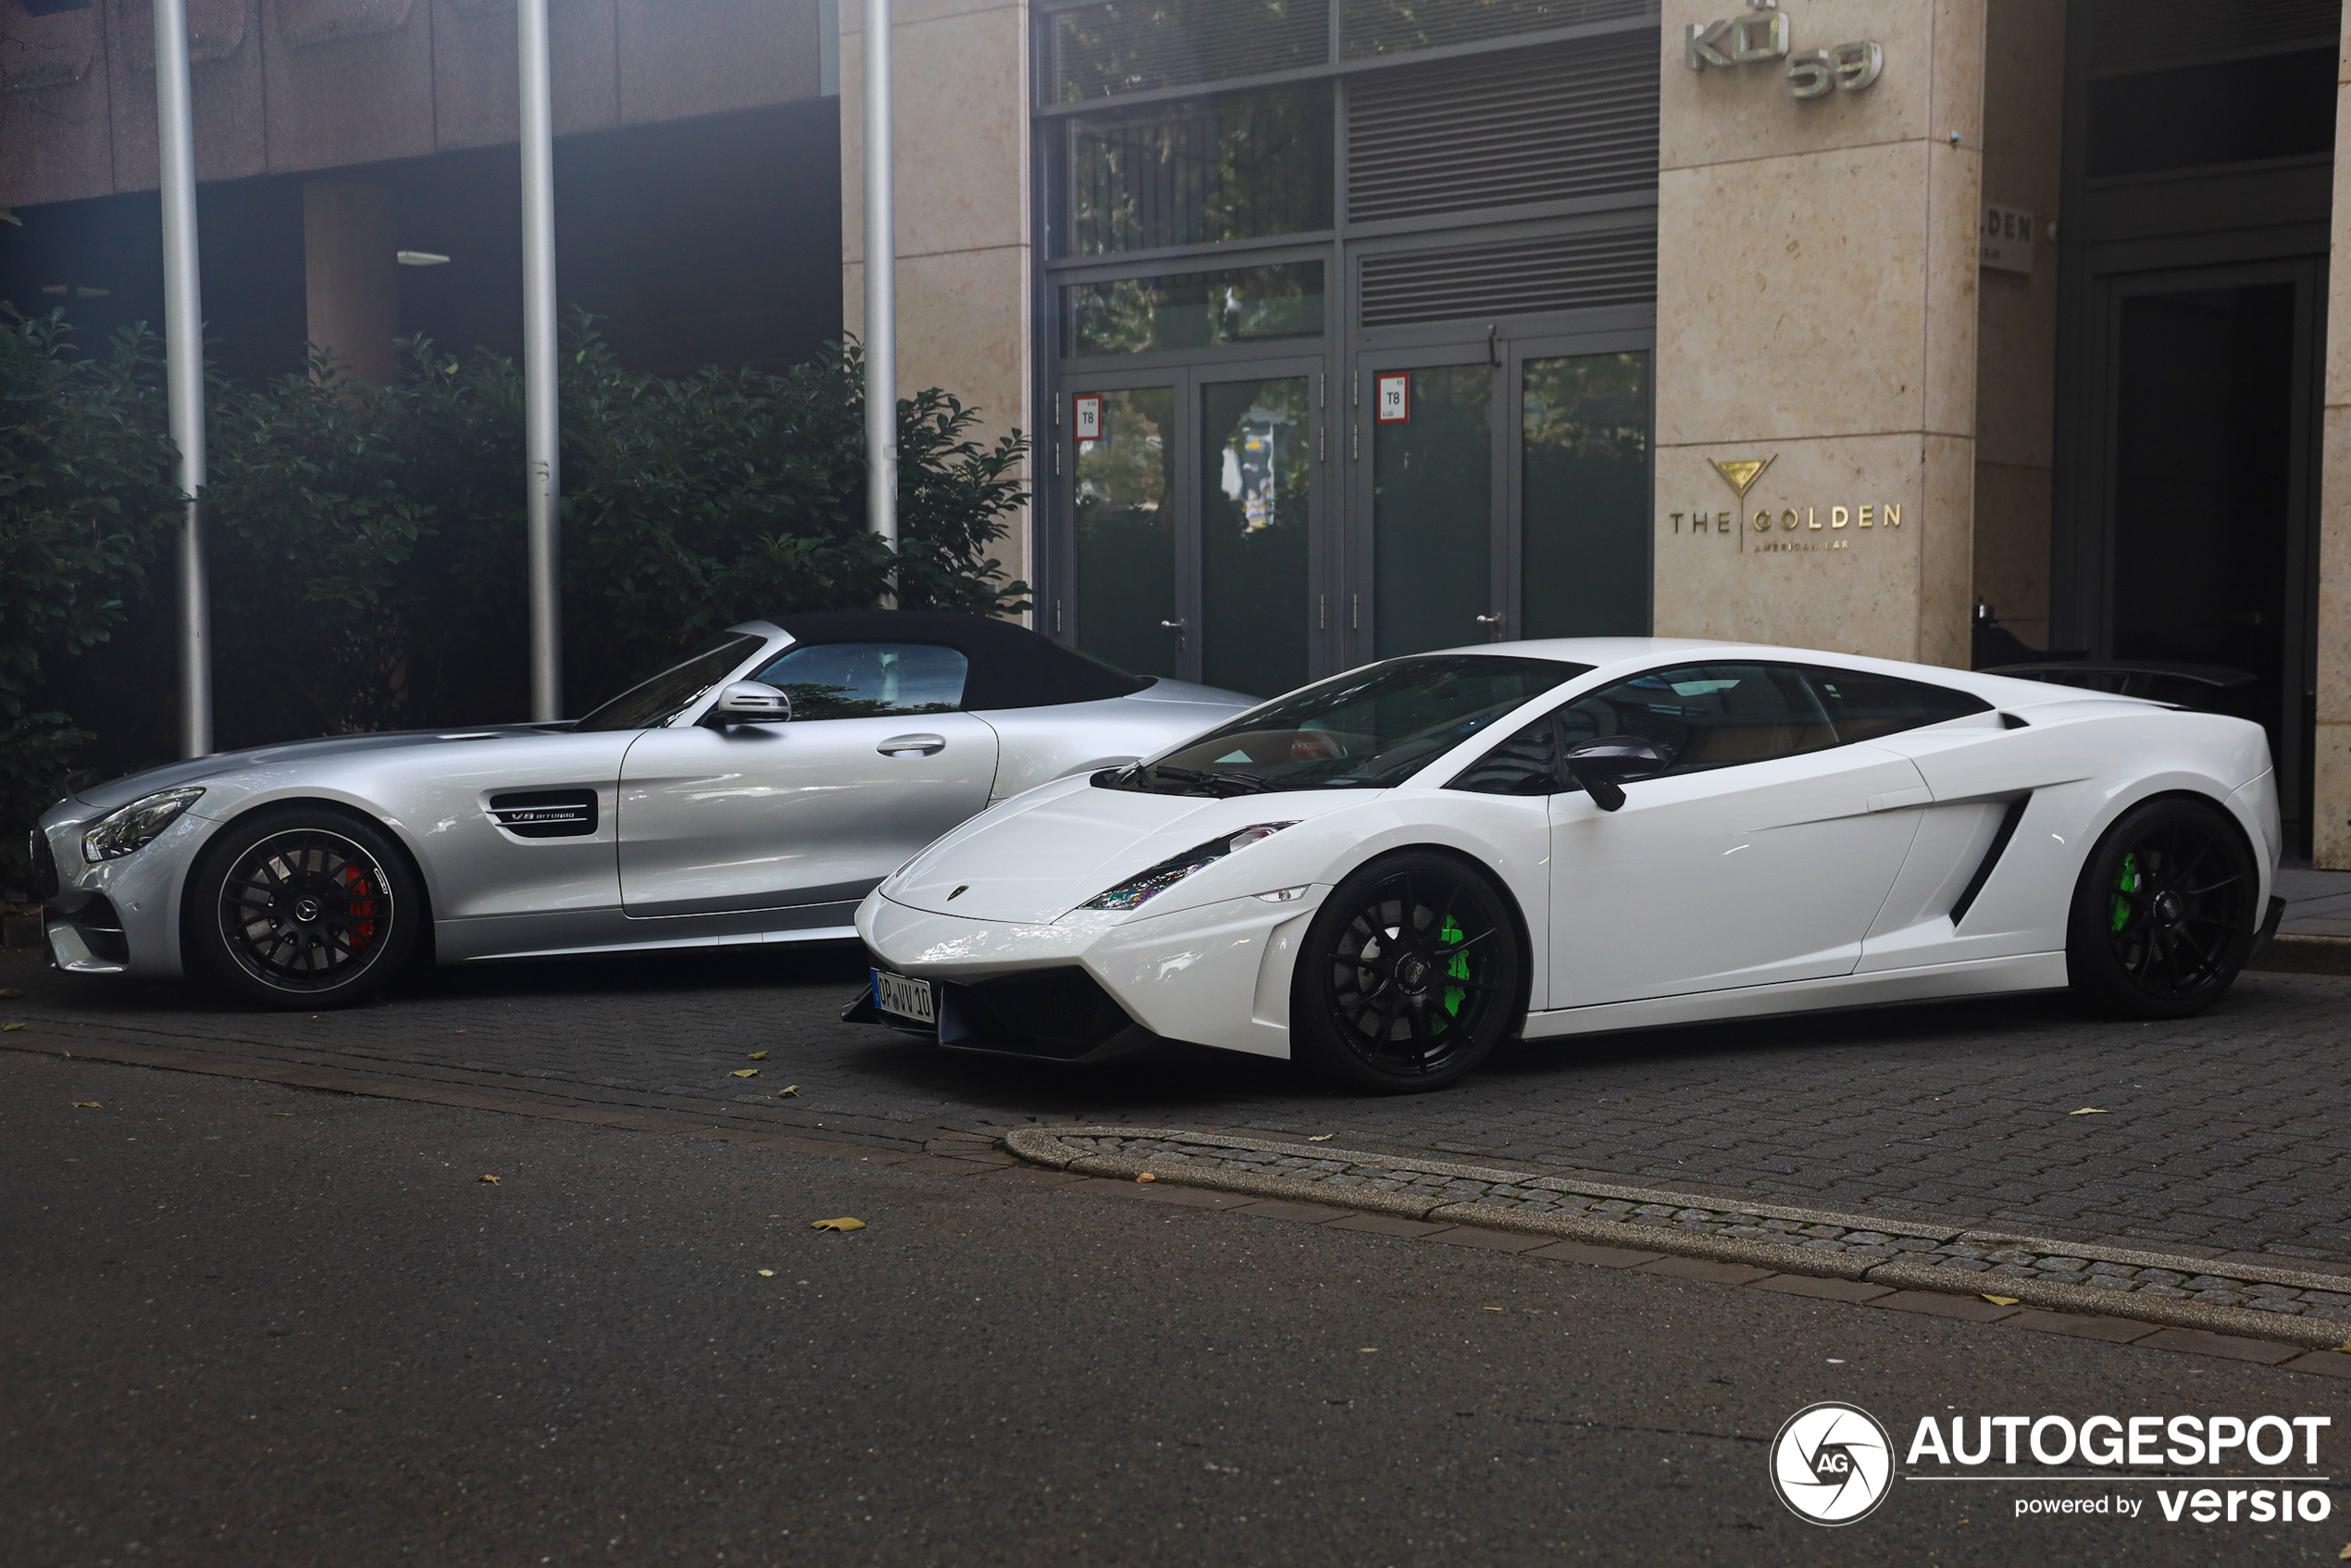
2128, 883
1456, 964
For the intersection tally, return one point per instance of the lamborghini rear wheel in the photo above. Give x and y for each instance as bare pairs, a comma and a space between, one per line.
2163, 915
1409, 974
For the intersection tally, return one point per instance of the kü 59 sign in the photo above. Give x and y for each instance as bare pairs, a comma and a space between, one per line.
1762, 34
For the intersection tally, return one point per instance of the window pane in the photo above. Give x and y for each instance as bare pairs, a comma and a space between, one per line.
868, 679
1194, 309
1584, 487
1431, 499
1526, 764
1257, 449
1125, 533
661, 699
1707, 716
1236, 167
2227, 111
1866, 706
1368, 28
1131, 46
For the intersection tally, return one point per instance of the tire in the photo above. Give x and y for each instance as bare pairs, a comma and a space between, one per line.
304, 907
1409, 974
2164, 916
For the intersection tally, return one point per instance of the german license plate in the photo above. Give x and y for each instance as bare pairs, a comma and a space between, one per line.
907, 998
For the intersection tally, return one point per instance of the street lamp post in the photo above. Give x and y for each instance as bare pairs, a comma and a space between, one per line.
881, 289
183, 362
543, 478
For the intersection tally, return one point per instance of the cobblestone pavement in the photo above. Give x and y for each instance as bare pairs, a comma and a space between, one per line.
2220, 1135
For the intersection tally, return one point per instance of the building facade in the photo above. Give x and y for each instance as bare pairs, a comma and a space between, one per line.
1959, 330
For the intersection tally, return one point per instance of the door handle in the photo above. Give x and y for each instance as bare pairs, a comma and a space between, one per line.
1179, 627
918, 745
1489, 620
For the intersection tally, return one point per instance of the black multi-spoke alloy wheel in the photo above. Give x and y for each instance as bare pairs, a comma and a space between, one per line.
1409, 975
2163, 916
300, 907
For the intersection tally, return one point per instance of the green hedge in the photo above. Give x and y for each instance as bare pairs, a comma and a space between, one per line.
367, 541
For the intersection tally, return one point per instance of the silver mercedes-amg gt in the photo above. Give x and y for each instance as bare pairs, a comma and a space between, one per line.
753, 792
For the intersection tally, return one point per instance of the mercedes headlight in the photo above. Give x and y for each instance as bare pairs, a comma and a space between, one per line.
1142, 889
127, 829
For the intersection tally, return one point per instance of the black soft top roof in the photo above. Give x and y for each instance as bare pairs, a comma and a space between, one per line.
1011, 666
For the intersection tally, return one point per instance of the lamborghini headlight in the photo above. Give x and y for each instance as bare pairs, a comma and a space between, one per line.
127, 829
1142, 889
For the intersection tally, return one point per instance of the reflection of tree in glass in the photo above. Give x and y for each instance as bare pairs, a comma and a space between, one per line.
1196, 309
1126, 46
811, 700
1395, 27
1585, 492
1255, 459
1125, 534
1234, 168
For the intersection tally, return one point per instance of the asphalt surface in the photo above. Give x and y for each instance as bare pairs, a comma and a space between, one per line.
252, 1325
2227, 1133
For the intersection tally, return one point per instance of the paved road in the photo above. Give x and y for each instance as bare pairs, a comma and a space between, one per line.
2226, 1133
250, 1324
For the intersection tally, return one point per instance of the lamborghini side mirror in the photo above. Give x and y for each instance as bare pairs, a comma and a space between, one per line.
1605, 766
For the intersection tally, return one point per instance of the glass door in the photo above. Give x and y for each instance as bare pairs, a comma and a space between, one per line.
1196, 540
1501, 496
1426, 463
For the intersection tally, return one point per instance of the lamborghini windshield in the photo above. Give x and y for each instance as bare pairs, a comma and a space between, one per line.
1367, 729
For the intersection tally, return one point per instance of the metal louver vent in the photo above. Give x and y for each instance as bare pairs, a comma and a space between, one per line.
1559, 272
1129, 45
1395, 27
2132, 32
1538, 126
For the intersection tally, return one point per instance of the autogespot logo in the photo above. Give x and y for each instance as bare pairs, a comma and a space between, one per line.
1832, 1463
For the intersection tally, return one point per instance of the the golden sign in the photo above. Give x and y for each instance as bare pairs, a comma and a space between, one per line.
1740, 473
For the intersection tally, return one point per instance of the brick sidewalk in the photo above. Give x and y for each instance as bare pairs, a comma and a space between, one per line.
2230, 1133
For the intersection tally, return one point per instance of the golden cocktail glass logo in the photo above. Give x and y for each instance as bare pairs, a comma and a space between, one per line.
1740, 473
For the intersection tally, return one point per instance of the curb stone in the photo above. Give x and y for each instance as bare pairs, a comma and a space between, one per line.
1307, 1171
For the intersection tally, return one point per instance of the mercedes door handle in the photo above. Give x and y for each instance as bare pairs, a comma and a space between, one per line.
915, 745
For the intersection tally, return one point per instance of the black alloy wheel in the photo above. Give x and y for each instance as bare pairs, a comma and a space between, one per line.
2163, 915
303, 909
1409, 974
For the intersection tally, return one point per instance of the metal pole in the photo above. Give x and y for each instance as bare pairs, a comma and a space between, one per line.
543, 478
183, 362
881, 288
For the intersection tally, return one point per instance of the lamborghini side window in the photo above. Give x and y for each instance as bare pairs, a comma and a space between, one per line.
1864, 706
869, 679
1526, 764
1707, 716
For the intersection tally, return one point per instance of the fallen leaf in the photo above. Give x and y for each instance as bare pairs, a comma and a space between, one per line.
1146, 1176
1322, 1138
766, 1274
1490, 1309
490, 1179
2090, 1111
745, 1072
86, 1105
844, 1222
10, 1028
10, 993
1367, 1350
2001, 1300
790, 1091
756, 1056
2343, 1556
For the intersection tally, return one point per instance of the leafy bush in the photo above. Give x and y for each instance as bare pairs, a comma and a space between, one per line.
86, 506
367, 541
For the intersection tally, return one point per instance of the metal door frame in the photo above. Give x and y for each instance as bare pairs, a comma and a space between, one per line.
2083, 604
1059, 615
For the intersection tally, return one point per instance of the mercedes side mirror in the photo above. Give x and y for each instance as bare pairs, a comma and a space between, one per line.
1604, 767
751, 702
